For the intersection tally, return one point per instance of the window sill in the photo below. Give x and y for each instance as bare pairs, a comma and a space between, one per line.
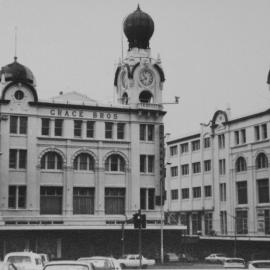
83, 172
147, 174
114, 172
17, 170
261, 141
17, 135
51, 171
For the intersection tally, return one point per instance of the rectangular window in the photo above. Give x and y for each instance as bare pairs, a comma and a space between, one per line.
267, 221
173, 150
45, 126
174, 194
17, 197
174, 171
108, 130
58, 127
208, 221
207, 165
147, 132
243, 135
120, 131
115, 201
77, 128
236, 137
222, 192
195, 145
206, 142
83, 201
263, 190
185, 169
196, 223
18, 125
51, 200
17, 158
143, 163
90, 129
222, 166
241, 188
185, 193
147, 163
196, 192
241, 221
207, 191
147, 198
264, 131
151, 163
184, 148
196, 167
223, 222
257, 133
150, 132
221, 141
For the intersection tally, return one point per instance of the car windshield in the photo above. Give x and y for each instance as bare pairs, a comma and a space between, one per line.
220, 255
66, 267
261, 264
19, 259
100, 264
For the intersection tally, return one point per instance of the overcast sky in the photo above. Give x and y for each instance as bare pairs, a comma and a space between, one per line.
215, 53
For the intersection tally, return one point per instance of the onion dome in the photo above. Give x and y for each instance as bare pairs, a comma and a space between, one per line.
16, 72
138, 28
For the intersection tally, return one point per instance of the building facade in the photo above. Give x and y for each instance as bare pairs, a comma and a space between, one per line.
218, 183
73, 170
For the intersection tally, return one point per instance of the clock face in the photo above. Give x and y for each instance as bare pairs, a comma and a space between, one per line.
146, 77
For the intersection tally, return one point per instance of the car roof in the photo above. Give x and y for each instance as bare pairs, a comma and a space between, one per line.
66, 262
259, 261
22, 253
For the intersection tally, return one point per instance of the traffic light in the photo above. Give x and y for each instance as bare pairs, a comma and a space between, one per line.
143, 221
139, 221
136, 220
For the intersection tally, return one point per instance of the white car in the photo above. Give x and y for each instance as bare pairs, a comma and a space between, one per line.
24, 260
259, 264
104, 263
215, 258
68, 265
234, 263
133, 260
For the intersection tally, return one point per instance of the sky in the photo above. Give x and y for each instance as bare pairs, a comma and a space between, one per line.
215, 53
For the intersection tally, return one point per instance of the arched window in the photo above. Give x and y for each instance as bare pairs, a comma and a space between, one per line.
261, 161
125, 98
241, 164
52, 161
146, 97
84, 162
115, 163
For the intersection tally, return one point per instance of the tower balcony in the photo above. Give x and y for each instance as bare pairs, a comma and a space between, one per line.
150, 106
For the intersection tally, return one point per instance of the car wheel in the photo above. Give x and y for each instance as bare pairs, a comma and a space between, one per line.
122, 266
144, 266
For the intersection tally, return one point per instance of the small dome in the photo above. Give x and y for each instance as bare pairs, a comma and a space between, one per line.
17, 72
138, 28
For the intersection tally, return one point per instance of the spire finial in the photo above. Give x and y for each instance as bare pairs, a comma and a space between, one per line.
15, 44
138, 7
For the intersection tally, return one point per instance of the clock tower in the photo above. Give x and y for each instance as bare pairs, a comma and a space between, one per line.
139, 78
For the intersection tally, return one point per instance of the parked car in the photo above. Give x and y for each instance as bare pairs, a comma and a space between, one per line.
234, 263
133, 260
24, 260
102, 263
7, 266
215, 258
185, 257
68, 265
259, 264
171, 257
